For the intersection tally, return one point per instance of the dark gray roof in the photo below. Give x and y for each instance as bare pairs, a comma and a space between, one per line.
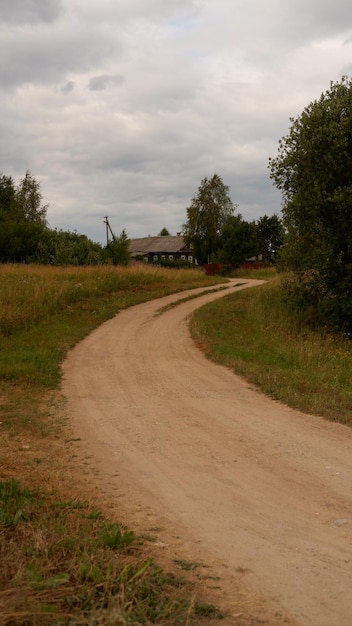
158, 245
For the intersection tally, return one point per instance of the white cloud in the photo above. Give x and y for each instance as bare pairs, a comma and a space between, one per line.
121, 108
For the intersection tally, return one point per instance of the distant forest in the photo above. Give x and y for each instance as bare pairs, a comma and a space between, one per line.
26, 238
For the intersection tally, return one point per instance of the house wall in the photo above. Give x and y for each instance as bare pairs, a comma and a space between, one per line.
158, 257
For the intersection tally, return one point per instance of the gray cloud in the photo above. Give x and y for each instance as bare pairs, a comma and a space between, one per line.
99, 83
29, 11
44, 53
68, 87
121, 108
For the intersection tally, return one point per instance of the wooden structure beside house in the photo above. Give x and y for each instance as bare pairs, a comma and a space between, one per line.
159, 249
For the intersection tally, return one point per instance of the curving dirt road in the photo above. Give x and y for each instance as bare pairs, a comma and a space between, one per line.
260, 493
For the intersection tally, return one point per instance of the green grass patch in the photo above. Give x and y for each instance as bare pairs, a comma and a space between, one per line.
58, 568
187, 565
172, 305
208, 610
255, 334
14, 503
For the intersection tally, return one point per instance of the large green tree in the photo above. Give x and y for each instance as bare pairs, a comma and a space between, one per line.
313, 170
7, 197
164, 232
270, 236
29, 201
22, 218
238, 241
22, 202
118, 249
207, 215
25, 236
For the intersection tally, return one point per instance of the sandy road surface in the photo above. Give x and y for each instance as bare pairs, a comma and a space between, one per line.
238, 479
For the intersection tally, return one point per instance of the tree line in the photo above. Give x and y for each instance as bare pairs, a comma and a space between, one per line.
25, 236
217, 235
212, 230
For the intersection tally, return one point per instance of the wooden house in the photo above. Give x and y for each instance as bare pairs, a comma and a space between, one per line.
159, 249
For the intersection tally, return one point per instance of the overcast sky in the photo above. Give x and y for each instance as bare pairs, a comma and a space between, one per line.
121, 107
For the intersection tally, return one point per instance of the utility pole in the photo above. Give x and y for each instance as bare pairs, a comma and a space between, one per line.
106, 222
108, 228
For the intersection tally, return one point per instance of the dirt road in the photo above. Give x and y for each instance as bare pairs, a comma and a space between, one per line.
255, 490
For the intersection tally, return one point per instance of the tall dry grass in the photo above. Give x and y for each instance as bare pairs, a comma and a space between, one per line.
30, 293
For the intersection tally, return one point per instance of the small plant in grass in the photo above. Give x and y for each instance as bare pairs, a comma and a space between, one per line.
74, 504
94, 515
187, 565
36, 580
94, 572
207, 610
14, 501
133, 594
114, 537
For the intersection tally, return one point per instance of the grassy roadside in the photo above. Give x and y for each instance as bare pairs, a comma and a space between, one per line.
255, 334
62, 560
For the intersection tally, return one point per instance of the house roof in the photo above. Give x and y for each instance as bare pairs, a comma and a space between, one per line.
158, 245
